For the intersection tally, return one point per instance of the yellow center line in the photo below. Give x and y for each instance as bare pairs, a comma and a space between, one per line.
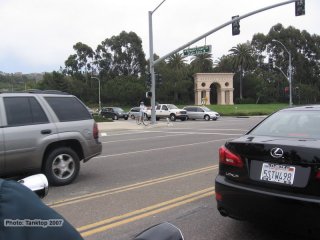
143, 213
90, 196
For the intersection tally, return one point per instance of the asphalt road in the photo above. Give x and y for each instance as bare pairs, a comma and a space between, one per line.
147, 176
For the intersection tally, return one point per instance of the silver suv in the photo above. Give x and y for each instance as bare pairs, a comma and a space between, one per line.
46, 131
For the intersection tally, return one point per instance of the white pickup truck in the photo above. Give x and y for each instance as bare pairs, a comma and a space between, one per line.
168, 111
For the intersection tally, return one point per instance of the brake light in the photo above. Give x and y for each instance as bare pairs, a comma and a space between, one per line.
218, 196
318, 174
229, 158
95, 131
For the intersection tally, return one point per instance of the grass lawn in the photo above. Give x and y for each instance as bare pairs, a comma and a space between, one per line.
247, 109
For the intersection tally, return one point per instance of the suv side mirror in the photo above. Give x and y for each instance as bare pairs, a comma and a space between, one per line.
37, 183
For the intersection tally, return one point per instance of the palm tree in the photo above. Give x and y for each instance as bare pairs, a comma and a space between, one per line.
177, 64
177, 61
243, 59
202, 63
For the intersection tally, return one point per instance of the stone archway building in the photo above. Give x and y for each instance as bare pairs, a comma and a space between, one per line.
224, 83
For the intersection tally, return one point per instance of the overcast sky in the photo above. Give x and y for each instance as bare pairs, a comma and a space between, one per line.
38, 35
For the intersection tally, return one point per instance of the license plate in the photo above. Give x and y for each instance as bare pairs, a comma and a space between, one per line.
277, 173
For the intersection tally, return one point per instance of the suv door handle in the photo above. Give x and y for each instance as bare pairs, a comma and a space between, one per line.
46, 131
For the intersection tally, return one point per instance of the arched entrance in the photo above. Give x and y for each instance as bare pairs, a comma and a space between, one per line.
223, 87
214, 89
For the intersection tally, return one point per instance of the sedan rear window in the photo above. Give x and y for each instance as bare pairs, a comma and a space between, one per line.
294, 124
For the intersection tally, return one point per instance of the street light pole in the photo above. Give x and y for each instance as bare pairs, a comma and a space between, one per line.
289, 76
151, 59
99, 92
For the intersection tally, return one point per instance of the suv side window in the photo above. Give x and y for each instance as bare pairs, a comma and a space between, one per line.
68, 108
24, 111
164, 107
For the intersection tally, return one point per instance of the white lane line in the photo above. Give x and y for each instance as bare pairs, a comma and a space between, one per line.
135, 139
208, 133
129, 133
157, 149
215, 129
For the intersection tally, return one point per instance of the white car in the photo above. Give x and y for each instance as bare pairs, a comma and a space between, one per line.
198, 112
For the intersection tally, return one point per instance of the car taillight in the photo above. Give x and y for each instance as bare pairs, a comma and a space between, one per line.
218, 196
229, 158
95, 131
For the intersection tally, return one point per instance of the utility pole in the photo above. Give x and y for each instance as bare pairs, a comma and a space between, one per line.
289, 75
99, 91
151, 59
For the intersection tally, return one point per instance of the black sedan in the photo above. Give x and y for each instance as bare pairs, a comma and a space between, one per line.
273, 171
113, 112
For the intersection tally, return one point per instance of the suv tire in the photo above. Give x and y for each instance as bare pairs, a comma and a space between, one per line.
173, 117
62, 166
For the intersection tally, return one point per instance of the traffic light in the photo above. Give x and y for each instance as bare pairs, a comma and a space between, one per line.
158, 79
270, 63
300, 7
286, 90
148, 94
148, 80
235, 26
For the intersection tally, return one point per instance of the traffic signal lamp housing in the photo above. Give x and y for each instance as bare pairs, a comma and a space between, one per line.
148, 94
271, 63
300, 7
158, 79
148, 80
235, 26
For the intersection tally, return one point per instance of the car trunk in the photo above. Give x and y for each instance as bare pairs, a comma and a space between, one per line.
295, 169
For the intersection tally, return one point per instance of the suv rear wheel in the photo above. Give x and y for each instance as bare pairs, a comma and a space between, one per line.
62, 166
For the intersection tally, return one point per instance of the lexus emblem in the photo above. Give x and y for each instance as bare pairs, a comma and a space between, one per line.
276, 152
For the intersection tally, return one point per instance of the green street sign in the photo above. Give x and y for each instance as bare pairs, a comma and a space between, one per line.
197, 50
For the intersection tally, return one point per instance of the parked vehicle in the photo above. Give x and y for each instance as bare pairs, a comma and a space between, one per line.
273, 171
200, 112
168, 111
114, 112
46, 131
134, 112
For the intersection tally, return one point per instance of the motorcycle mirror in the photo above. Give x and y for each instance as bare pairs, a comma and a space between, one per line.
162, 231
37, 183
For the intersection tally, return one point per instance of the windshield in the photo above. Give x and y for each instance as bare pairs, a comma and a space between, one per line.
206, 109
171, 106
118, 109
294, 124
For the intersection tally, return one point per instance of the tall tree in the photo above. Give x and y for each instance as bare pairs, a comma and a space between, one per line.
81, 62
124, 54
243, 59
177, 72
202, 63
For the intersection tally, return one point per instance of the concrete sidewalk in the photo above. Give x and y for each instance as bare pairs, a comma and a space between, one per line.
128, 125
